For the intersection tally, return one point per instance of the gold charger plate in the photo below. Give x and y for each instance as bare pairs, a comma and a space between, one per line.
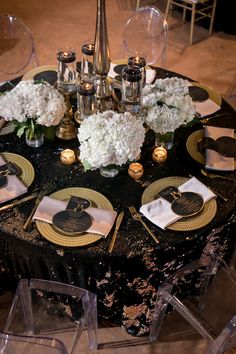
191, 145
187, 224
38, 70
27, 170
213, 95
84, 239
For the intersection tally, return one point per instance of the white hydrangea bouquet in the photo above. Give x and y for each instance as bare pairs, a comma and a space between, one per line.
32, 106
110, 138
167, 105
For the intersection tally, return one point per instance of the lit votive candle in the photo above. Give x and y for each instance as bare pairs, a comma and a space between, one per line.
67, 156
135, 170
159, 154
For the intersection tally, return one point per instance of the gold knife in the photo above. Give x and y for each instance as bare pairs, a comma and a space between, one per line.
29, 197
38, 200
118, 222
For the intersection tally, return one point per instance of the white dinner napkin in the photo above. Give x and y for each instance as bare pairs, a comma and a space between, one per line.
206, 108
150, 73
214, 160
13, 189
102, 219
2, 122
159, 211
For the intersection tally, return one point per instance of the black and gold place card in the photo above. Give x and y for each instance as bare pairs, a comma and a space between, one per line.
187, 204
9, 169
72, 222
198, 94
3, 181
78, 203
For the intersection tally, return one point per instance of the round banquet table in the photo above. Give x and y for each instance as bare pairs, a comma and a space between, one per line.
126, 280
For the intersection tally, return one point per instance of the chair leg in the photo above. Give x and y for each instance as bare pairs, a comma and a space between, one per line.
212, 17
192, 22
184, 15
167, 9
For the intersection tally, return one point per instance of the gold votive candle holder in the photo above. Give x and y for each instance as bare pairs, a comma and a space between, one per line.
67, 157
159, 154
135, 170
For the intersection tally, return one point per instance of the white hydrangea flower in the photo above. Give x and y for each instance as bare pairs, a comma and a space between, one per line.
110, 138
28, 100
167, 104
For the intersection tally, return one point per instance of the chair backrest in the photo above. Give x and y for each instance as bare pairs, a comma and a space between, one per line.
16, 344
42, 307
202, 278
17, 49
146, 32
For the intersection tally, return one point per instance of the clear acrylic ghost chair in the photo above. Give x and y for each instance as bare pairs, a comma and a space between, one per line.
199, 9
17, 49
16, 344
146, 32
205, 311
55, 310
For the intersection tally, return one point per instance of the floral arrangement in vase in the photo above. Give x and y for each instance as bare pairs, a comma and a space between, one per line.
110, 138
33, 107
166, 105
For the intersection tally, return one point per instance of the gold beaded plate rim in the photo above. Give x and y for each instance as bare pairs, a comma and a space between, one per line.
213, 95
187, 224
39, 69
83, 239
191, 145
27, 170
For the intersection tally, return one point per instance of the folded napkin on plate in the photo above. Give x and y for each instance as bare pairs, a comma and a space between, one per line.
214, 160
2, 122
206, 108
13, 189
150, 73
102, 220
159, 211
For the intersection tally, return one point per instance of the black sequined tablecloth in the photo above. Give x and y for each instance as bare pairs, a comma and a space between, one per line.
126, 280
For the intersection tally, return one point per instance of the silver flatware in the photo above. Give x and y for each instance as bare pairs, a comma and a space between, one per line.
17, 202
117, 226
37, 201
138, 217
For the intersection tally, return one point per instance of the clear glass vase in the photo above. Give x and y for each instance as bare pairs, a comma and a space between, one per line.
166, 140
34, 138
109, 171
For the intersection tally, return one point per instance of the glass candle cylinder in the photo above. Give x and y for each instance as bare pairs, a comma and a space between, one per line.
141, 63
135, 170
86, 98
159, 154
66, 70
131, 88
87, 59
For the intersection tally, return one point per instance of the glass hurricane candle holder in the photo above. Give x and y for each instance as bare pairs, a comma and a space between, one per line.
131, 88
66, 70
86, 98
87, 59
139, 61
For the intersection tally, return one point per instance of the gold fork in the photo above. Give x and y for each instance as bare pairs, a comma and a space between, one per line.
37, 201
213, 175
138, 217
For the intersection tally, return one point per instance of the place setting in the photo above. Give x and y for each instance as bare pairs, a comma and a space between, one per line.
16, 175
178, 203
74, 217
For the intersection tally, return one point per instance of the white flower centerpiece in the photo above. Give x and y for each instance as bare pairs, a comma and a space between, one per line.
33, 107
166, 106
109, 139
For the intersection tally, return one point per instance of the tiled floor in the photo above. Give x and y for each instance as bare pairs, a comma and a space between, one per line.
210, 61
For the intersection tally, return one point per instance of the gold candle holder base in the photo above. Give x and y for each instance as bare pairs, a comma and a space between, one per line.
66, 129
